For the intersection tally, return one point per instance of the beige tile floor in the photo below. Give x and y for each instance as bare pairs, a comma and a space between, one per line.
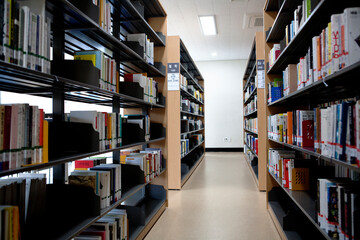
219, 201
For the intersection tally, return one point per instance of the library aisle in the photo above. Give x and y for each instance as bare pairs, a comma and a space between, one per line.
220, 201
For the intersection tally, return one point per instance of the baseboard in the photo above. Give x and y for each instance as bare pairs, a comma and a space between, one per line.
224, 149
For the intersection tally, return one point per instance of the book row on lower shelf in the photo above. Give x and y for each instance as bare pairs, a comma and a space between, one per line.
334, 195
331, 129
188, 125
188, 143
251, 106
190, 160
26, 138
101, 184
251, 124
252, 142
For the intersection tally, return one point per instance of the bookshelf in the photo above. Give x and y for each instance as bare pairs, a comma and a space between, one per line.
183, 163
254, 108
293, 211
73, 30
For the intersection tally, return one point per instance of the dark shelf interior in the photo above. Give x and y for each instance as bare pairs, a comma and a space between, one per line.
190, 113
252, 94
317, 21
190, 78
185, 58
189, 169
187, 94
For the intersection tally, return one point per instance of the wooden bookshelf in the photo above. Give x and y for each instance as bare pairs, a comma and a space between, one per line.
181, 166
73, 30
299, 207
257, 164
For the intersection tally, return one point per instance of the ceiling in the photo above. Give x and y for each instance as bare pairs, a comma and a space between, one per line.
232, 41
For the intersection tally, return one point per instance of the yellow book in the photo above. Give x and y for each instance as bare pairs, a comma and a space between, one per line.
45, 154
91, 57
10, 222
16, 223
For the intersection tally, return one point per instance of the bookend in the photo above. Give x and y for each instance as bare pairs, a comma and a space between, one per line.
139, 7
135, 46
88, 8
132, 89
184, 169
160, 67
161, 99
141, 214
66, 206
70, 138
132, 133
184, 125
79, 70
163, 163
162, 37
131, 176
157, 130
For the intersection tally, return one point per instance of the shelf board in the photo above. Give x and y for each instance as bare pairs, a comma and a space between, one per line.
192, 131
250, 77
71, 158
250, 131
317, 21
192, 149
17, 79
133, 22
250, 96
186, 176
305, 203
185, 58
190, 113
89, 221
250, 114
252, 151
277, 212
84, 34
284, 17
190, 78
187, 94
341, 84
311, 152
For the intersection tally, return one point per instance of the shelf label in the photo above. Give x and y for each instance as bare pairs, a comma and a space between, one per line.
173, 76
260, 68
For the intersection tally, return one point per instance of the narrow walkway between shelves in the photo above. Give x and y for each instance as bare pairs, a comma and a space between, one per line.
219, 201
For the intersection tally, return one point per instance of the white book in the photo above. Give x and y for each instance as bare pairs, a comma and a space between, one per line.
357, 113
336, 41
352, 35
325, 121
315, 58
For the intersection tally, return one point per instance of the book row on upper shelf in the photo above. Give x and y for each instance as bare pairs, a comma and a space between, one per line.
333, 49
189, 125
26, 138
251, 124
337, 196
251, 106
190, 89
189, 143
189, 106
249, 90
331, 130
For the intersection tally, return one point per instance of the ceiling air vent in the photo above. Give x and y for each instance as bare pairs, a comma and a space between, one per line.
258, 22
252, 20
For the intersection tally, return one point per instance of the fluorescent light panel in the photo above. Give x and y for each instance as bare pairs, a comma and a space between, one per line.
208, 25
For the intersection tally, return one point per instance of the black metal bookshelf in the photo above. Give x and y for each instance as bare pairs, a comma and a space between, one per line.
187, 94
185, 58
252, 94
192, 149
248, 130
251, 114
190, 113
251, 150
190, 77
197, 130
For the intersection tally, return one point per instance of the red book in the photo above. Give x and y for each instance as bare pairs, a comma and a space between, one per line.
257, 144
286, 173
84, 164
308, 133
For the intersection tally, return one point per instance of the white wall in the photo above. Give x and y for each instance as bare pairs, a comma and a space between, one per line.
223, 102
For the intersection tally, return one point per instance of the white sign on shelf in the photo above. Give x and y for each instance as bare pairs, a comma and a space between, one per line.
173, 76
260, 73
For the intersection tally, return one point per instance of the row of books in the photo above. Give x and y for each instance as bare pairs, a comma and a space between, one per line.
109, 76
189, 106
187, 144
22, 201
338, 209
275, 90
149, 85
26, 34
251, 106
114, 225
334, 49
274, 54
108, 125
301, 14
150, 161
332, 129
105, 15
10, 224
250, 155
190, 88
252, 142
251, 124
144, 41
105, 179
23, 136
249, 90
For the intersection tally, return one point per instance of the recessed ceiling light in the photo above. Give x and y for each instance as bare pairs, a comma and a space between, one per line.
208, 25
214, 54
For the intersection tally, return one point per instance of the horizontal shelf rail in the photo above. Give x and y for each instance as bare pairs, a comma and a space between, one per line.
198, 130
192, 149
